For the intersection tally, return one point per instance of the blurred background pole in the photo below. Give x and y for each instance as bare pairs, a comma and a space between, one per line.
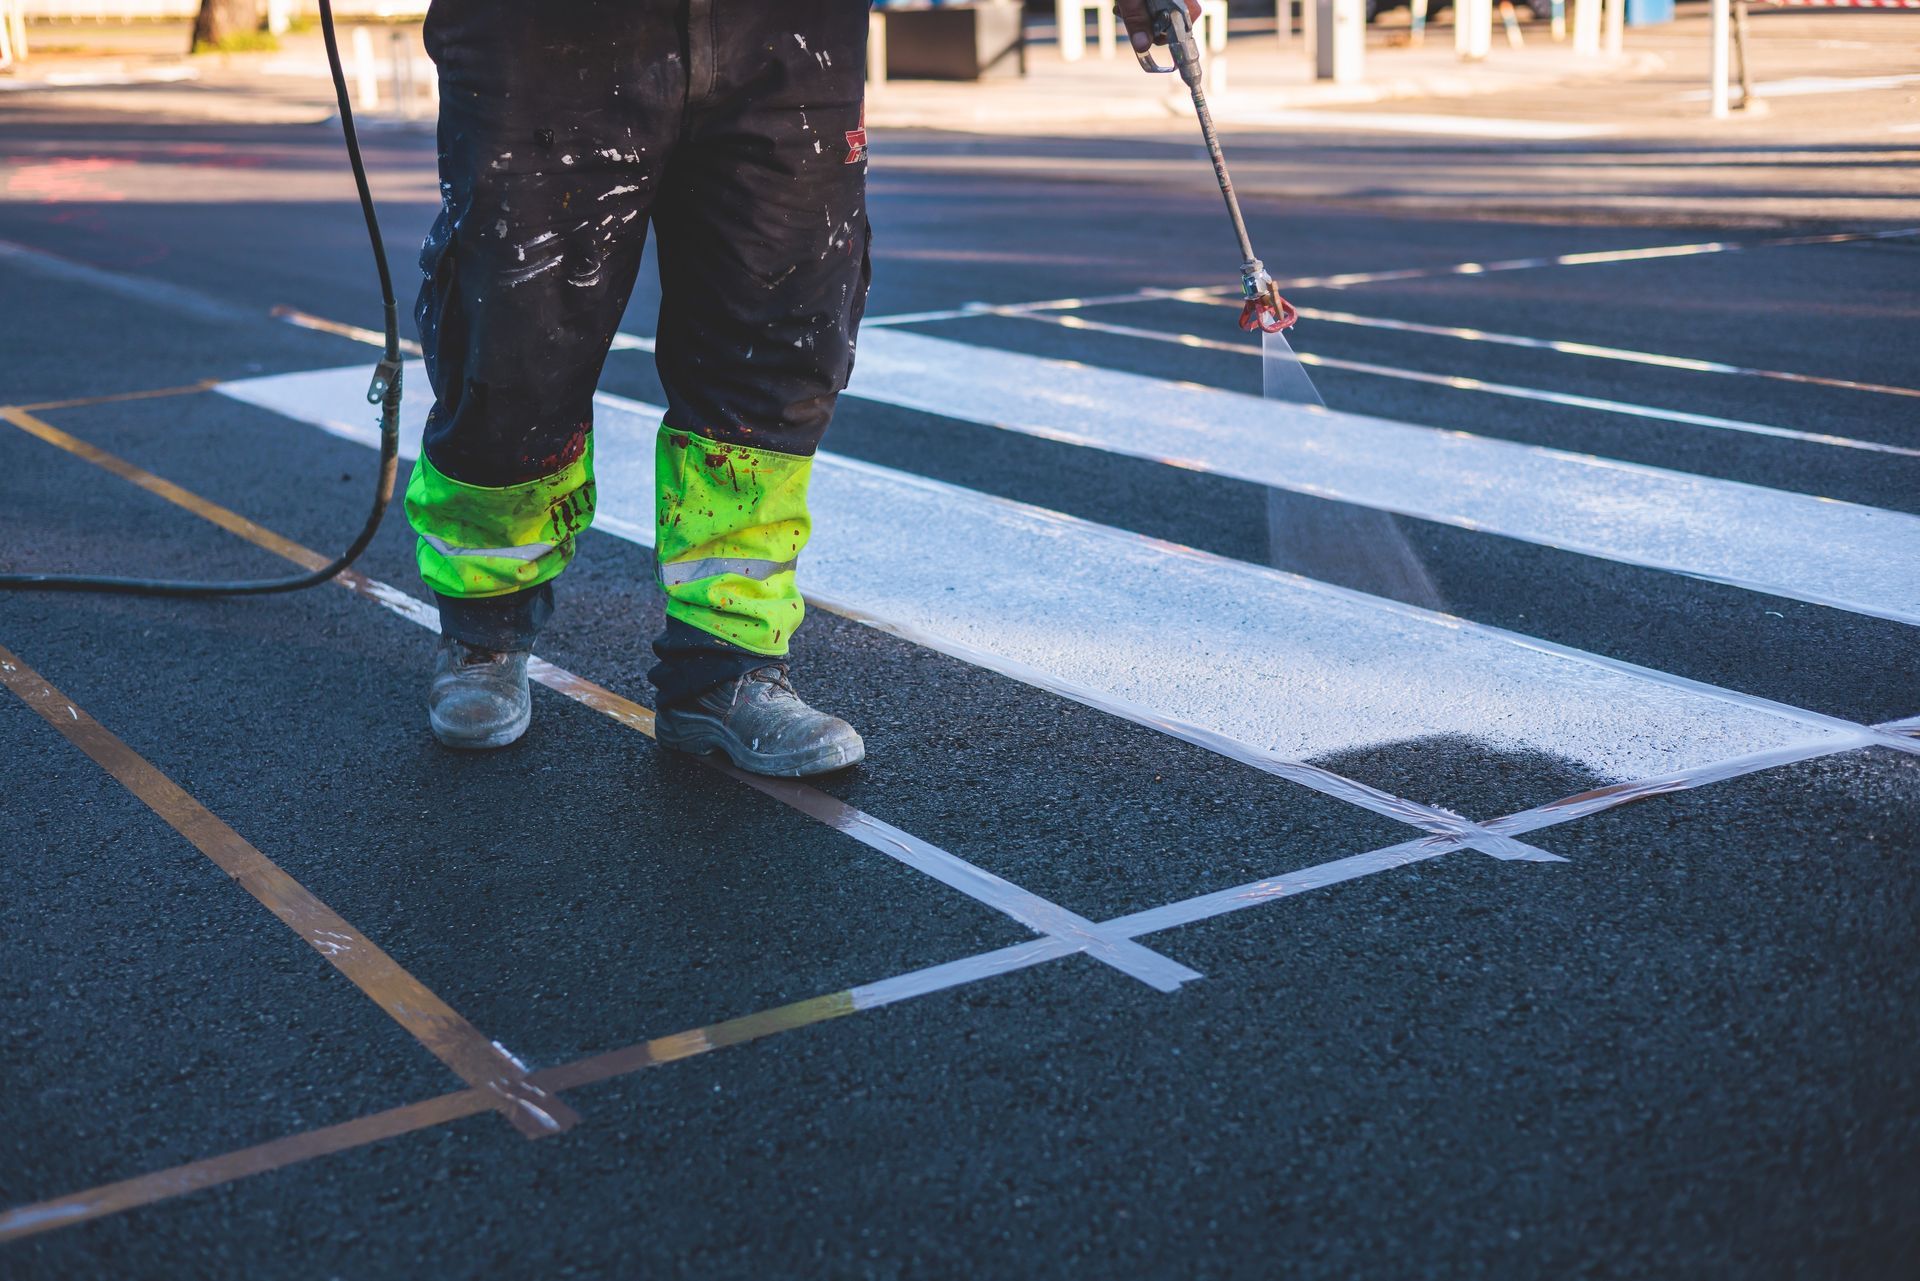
1616, 27
1419, 22
1473, 29
1340, 40
1717, 87
1559, 20
366, 77
1740, 53
1586, 28
13, 32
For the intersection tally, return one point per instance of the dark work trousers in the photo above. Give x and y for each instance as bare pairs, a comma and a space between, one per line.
736, 129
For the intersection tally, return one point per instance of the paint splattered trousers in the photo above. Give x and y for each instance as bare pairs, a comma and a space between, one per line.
734, 128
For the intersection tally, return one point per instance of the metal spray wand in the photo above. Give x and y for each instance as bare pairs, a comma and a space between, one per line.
1265, 309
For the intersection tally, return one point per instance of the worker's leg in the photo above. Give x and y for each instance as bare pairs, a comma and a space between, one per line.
555, 124
763, 236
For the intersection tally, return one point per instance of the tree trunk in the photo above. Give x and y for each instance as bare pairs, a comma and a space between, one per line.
221, 20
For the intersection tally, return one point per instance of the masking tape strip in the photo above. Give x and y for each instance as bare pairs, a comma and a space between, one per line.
1594, 351
1208, 293
1038, 914
478, 1061
45, 1216
1541, 395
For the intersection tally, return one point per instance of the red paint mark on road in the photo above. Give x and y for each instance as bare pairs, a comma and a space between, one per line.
70, 180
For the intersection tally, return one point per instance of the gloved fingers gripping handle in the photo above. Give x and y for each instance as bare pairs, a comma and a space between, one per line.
1150, 22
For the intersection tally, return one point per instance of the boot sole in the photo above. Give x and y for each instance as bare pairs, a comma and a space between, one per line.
701, 739
503, 737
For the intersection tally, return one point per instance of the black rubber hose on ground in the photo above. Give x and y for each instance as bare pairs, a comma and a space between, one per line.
385, 391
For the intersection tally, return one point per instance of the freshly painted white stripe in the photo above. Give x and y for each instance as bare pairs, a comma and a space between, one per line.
1266, 667
1460, 383
1851, 557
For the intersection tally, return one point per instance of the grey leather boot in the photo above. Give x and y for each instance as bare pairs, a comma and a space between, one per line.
762, 726
479, 697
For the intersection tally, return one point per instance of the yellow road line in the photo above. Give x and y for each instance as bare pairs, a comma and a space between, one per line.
196, 1176
207, 384
1030, 910
501, 1082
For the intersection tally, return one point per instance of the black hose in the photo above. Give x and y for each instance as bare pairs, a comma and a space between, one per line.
385, 391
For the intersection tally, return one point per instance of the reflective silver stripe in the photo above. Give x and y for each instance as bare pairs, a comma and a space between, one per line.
683, 572
531, 552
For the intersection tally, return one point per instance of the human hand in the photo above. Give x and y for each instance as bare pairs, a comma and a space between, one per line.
1140, 27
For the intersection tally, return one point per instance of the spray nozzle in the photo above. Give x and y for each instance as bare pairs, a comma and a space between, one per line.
1265, 310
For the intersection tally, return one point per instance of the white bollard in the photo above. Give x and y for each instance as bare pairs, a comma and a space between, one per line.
1340, 40
1717, 87
1070, 19
1586, 28
1472, 29
366, 77
279, 16
402, 69
876, 49
1616, 27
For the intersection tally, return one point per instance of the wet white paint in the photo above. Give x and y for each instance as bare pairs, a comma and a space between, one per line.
1851, 557
1262, 666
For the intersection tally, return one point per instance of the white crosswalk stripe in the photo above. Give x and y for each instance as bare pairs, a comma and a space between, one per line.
1261, 666
1799, 546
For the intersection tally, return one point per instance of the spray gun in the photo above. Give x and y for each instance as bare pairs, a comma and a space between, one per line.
1264, 310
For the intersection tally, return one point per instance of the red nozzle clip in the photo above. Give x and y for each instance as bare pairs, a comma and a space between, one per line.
1266, 311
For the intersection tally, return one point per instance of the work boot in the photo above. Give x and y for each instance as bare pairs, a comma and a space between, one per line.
480, 697
762, 726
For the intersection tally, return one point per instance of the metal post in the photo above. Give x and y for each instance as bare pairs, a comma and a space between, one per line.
1070, 18
13, 16
366, 77
876, 48
1340, 40
1586, 28
1419, 23
1717, 77
1109, 34
400, 67
1472, 29
1559, 20
1740, 53
1616, 27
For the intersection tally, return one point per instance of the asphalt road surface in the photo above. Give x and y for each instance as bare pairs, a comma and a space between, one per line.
1214, 901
